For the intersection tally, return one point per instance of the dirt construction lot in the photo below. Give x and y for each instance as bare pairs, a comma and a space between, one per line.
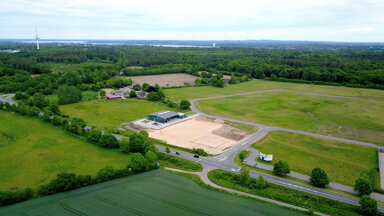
165, 79
212, 136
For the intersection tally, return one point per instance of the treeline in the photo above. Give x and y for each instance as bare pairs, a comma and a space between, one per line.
363, 68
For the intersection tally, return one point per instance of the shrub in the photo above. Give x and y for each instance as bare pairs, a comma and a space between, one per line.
151, 158
368, 206
124, 146
108, 141
106, 173
362, 187
132, 94
319, 178
68, 95
94, 135
199, 151
167, 150
137, 142
281, 168
83, 180
138, 162
184, 105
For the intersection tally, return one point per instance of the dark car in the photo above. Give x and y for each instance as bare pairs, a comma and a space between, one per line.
177, 153
196, 156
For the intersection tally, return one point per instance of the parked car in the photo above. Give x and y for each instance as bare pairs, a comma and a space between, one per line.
196, 156
177, 153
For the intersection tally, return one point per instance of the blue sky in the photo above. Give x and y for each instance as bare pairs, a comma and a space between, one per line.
320, 20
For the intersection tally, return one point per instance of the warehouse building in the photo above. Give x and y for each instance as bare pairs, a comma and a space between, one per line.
165, 116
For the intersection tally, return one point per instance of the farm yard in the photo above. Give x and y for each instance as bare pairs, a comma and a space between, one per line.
211, 135
109, 113
345, 118
165, 80
34, 152
343, 162
258, 85
153, 193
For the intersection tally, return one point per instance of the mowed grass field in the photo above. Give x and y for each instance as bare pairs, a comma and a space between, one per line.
38, 151
153, 193
113, 112
346, 118
257, 85
343, 162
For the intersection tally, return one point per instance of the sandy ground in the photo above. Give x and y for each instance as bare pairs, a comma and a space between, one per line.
165, 79
200, 132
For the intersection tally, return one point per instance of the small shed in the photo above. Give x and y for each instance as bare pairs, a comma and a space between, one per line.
266, 157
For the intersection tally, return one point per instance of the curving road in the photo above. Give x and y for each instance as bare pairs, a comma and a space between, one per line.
225, 161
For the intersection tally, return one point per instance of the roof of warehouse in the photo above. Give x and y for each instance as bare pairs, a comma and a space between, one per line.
165, 114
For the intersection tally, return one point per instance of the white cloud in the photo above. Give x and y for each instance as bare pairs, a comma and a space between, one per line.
341, 20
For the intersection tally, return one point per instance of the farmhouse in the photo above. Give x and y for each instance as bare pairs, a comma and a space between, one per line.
165, 116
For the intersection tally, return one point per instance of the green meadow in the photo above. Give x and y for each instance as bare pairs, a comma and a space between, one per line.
113, 112
258, 85
37, 151
343, 162
346, 118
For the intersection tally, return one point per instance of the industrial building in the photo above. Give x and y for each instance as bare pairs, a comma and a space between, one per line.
165, 116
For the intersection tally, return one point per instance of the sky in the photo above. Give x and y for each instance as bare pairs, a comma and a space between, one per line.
311, 20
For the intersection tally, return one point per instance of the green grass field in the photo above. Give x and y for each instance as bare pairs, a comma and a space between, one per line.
109, 113
343, 162
346, 118
87, 95
38, 151
257, 85
153, 193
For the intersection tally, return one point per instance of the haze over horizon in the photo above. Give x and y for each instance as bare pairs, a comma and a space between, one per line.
344, 20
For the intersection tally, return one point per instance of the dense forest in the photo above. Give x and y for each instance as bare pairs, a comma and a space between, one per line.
90, 67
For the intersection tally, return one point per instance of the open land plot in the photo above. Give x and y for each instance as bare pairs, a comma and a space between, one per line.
153, 193
211, 135
345, 118
165, 79
343, 162
113, 112
87, 95
38, 151
258, 85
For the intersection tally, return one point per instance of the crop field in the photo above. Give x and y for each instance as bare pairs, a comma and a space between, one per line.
346, 118
153, 193
165, 80
343, 162
37, 151
257, 85
113, 112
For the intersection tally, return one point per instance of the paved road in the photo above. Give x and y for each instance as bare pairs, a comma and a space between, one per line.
8, 98
194, 109
226, 159
217, 162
